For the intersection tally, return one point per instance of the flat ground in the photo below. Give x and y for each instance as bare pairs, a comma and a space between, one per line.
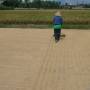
31, 60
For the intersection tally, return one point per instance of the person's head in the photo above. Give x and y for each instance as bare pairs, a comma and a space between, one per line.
58, 13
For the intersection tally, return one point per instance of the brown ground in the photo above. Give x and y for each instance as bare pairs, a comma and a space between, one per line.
31, 60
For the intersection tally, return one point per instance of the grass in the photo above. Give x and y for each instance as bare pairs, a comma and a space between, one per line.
72, 18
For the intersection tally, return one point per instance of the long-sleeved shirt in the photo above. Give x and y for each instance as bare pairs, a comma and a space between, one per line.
57, 20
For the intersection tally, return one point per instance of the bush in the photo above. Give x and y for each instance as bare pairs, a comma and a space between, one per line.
2, 7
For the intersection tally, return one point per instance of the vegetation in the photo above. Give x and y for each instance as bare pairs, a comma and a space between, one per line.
46, 4
38, 4
11, 3
34, 4
2, 7
44, 17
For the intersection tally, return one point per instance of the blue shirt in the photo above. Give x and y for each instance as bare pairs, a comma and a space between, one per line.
57, 20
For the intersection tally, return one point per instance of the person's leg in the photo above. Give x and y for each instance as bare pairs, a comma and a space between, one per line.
56, 34
59, 34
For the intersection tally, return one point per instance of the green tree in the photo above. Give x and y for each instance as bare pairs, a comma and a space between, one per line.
12, 3
37, 3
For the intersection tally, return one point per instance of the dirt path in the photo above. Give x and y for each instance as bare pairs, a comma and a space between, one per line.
31, 60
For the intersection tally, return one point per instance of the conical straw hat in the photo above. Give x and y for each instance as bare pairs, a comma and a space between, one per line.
57, 13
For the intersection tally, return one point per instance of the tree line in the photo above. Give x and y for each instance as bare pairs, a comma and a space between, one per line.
34, 4
11, 4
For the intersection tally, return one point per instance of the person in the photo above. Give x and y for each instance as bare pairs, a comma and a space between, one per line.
57, 22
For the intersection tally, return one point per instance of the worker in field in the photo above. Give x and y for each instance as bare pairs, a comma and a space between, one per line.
57, 21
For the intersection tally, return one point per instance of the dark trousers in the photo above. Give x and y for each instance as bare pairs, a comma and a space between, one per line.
57, 34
